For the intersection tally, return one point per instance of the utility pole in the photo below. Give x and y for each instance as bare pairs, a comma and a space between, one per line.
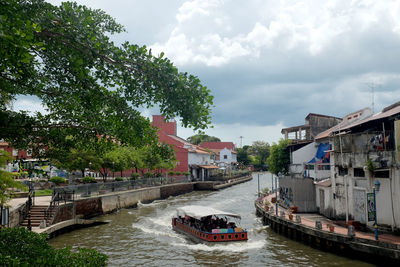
241, 139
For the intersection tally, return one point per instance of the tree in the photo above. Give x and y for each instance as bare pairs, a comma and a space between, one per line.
243, 157
20, 247
90, 87
7, 182
279, 158
200, 138
261, 151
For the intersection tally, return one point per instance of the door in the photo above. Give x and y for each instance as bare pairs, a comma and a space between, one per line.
360, 204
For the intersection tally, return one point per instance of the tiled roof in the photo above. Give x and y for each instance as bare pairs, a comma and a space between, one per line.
218, 145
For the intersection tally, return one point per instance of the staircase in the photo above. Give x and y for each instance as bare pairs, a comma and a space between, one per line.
38, 215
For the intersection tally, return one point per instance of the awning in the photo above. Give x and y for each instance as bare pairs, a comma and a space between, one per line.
199, 212
208, 166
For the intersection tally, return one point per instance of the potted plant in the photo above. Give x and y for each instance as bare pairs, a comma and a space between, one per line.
291, 216
273, 200
293, 209
331, 227
57, 180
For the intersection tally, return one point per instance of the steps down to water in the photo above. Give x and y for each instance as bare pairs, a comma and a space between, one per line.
37, 216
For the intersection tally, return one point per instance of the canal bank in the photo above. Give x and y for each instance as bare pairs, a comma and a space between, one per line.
143, 236
322, 233
77, 211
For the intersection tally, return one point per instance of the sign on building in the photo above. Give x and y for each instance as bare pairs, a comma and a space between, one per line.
371, 207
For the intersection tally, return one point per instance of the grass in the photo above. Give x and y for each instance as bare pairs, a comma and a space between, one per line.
43, 192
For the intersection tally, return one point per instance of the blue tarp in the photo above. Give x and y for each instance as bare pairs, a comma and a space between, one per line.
322, 154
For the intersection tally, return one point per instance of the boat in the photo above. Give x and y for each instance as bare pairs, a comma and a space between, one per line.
208, 224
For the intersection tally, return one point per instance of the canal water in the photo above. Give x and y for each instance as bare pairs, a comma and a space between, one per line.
143, 236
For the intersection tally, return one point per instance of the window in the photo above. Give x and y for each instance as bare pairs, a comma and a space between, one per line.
222, 236
343, 171
382, 174
359, 172
225, 156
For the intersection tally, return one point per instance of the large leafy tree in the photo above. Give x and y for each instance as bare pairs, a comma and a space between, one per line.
279, 158
90, 87
260, 150
7, 182
199, 138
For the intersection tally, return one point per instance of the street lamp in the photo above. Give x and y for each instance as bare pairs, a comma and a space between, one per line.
376, 188
113, 168
276, 191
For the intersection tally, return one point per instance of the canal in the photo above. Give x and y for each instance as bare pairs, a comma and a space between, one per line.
143, 236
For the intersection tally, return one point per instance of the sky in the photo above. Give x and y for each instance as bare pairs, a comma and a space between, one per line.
270, 63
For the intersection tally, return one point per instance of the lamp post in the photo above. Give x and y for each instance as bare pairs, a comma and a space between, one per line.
113, 168
376, 188
258, 185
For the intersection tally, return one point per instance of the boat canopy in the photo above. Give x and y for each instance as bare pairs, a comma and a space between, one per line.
199, 212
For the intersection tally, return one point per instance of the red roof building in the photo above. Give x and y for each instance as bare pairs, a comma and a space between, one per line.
191, 158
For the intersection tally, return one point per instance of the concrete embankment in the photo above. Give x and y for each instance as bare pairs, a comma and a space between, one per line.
357, 245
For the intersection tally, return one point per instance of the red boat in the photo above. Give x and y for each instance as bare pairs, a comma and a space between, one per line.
208, 224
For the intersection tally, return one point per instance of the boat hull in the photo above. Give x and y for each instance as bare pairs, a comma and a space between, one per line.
207, 236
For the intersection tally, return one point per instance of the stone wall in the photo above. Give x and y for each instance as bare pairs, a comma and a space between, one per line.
110, 203
89, 207
65, 212
175, 189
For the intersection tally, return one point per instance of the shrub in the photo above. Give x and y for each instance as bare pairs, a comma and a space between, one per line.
42, 180
148, 175
135, 176
88, 180
186, 173
20, 247
57, 180
178, 173
119, 179
171, 173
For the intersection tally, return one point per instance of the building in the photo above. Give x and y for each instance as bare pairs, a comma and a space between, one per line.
191, 158
224, 153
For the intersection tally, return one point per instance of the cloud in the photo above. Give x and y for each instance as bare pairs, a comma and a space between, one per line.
270, 63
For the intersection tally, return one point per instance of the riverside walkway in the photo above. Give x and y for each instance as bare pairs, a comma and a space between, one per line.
321, 232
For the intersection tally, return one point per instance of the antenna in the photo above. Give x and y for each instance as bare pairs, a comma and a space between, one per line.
372, 86
241, 139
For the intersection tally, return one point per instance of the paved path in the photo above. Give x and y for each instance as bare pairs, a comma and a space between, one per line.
39, 201
309, 219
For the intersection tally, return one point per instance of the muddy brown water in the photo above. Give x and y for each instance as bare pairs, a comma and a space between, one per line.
143, 236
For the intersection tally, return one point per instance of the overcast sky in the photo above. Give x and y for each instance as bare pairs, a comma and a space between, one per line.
270, 63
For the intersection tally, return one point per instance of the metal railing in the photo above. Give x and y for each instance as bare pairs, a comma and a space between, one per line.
90, 189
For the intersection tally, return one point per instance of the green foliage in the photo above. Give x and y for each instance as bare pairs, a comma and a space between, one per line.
200, 138
57, 180
90, 87
243, 157
20, 247
148, 175
186, 173
119, 179
260, 150
44, 192
171, 173
135, 176
370, 165
7, 182
279, 158
89, 180
178, 173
